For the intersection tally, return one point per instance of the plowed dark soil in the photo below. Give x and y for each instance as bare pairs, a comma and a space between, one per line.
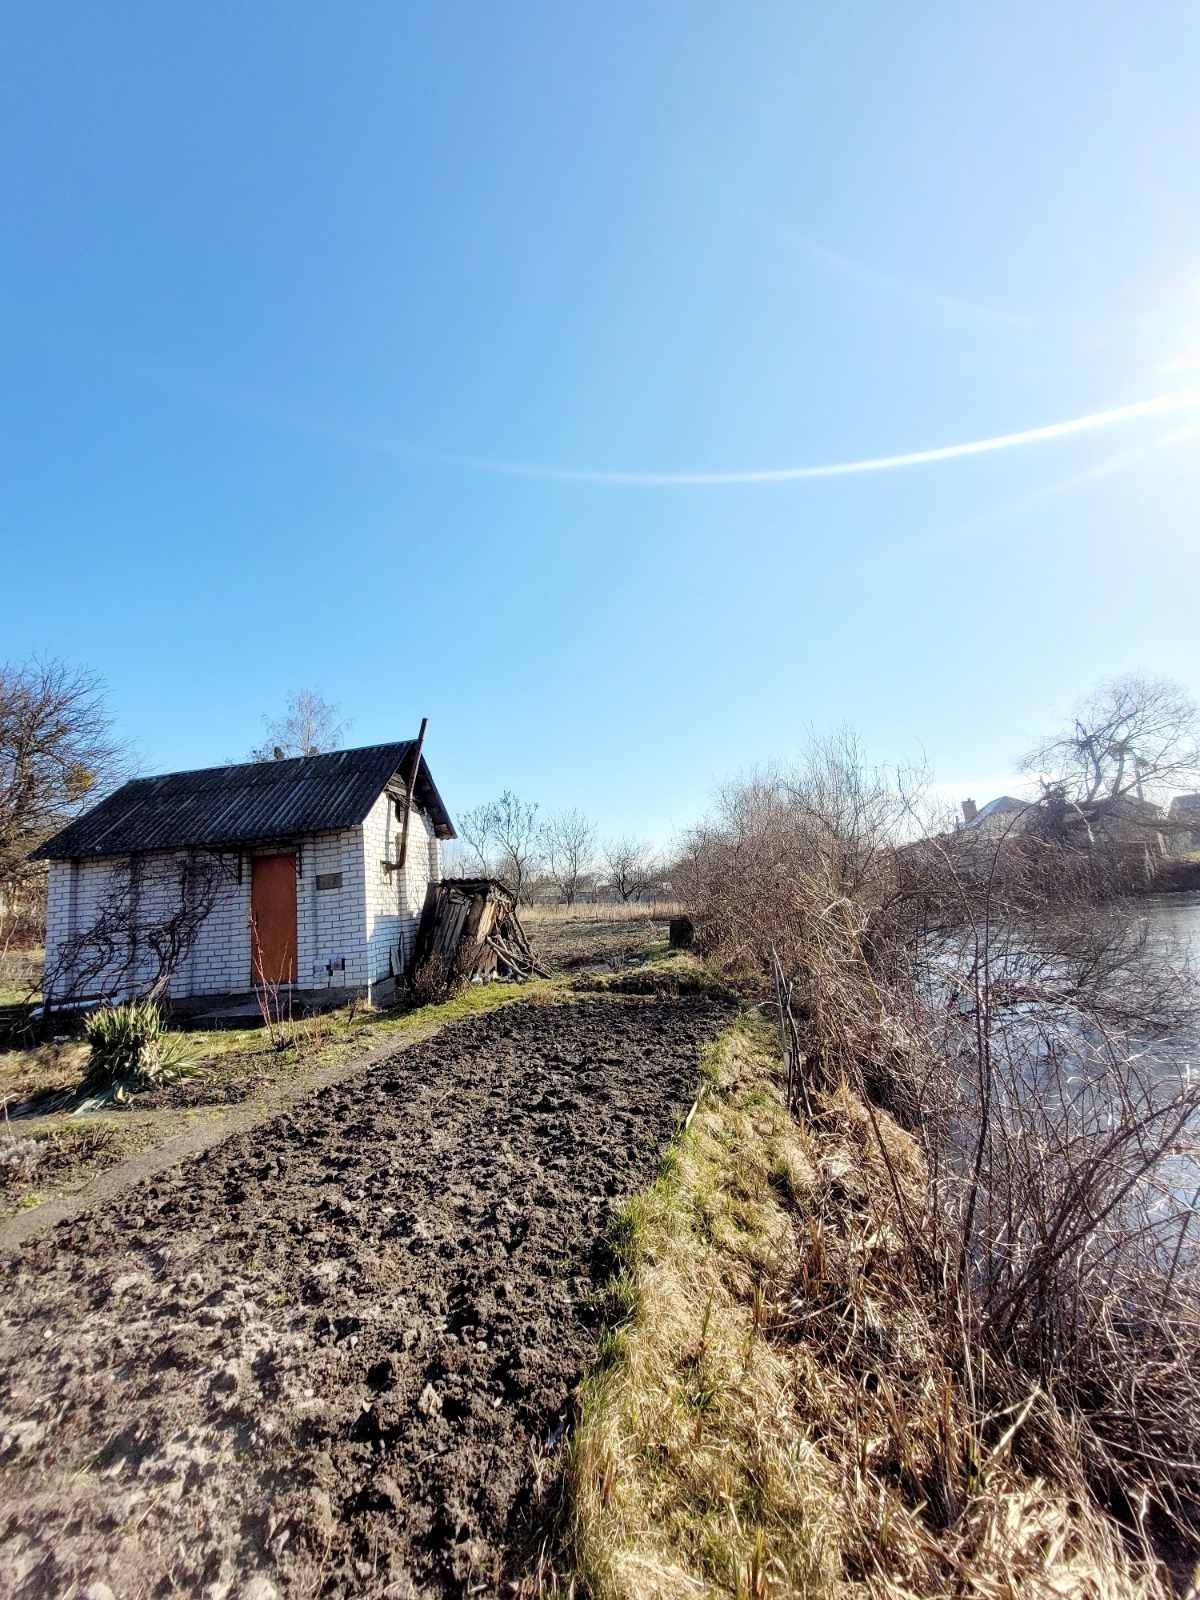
331, 1356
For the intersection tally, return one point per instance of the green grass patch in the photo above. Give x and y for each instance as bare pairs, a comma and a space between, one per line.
475, 1000
664, 972
686, 1475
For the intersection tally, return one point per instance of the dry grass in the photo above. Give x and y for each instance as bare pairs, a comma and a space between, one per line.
49, 1068
778, 1413
569, 938
20, 974
999, 1006
661, 971
75, 1147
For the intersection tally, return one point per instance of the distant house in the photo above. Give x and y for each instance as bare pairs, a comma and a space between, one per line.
999, 816
1128, 821
1126, 830
1123, 820
1183, 824
229, 878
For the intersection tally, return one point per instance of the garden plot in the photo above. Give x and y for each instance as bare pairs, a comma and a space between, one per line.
335, 1354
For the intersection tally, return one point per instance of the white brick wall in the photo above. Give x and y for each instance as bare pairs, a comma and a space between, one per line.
78, 891
373, 914
331, 921
220, 959
394, 899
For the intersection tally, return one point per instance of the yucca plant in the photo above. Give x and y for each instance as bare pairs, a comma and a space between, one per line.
130, 1050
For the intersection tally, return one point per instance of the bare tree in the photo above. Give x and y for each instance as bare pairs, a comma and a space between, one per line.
474, 828
568, 840
631, 867
309, 726
57, 755
514, 832
1134, 738
501, 839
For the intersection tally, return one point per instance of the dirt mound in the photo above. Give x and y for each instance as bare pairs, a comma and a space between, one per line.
570, 943
661, 978
328, 1355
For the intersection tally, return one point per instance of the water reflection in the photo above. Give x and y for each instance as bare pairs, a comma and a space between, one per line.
1175, 924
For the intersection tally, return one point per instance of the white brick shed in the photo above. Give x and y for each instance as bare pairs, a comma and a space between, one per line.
300, 863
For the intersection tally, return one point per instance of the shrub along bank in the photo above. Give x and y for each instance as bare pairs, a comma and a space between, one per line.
1004, 1009
777, 1410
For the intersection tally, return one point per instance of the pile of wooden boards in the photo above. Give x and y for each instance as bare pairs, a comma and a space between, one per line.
471, 926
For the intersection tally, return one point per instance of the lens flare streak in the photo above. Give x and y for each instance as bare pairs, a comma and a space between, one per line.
1093, 421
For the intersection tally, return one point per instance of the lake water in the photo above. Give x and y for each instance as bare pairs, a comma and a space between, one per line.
1178, 916
1175, 920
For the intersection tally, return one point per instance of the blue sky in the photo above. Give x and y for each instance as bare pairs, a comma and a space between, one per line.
288, 286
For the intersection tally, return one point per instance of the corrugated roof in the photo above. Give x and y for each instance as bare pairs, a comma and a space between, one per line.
253, 803
1003, 805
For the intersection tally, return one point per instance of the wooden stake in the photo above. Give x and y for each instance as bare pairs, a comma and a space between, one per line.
408, 796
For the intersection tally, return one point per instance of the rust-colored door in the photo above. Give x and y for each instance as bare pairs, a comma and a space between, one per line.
273, 920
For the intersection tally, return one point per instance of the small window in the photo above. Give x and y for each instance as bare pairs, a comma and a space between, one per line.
329, 880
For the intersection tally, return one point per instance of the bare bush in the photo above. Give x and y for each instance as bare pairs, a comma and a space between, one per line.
437, 980
798, 864
1005, 1006
1056, 1172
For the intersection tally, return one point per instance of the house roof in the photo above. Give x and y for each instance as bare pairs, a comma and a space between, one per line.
251, 803
1002, 806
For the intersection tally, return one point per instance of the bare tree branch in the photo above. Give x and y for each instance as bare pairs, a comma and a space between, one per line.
568, 840
631, 867
146, 926
309, 726
57, 756
1133, 739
